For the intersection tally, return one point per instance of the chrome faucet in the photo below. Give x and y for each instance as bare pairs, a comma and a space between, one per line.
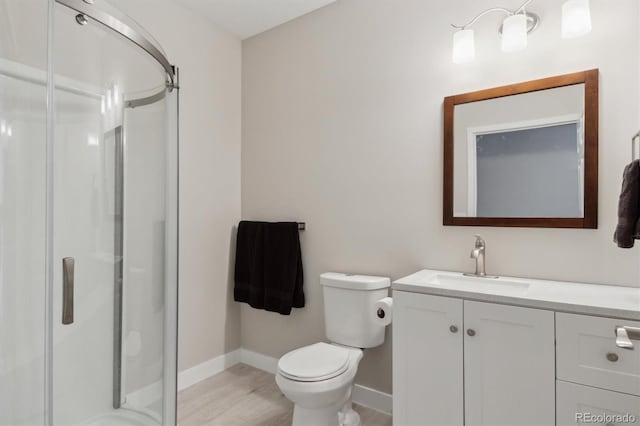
478, 254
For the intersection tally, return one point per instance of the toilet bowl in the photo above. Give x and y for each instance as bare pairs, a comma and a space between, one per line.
318, 379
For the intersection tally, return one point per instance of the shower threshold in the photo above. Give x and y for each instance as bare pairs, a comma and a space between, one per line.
122, 417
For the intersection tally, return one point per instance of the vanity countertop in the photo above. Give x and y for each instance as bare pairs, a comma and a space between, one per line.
580, 298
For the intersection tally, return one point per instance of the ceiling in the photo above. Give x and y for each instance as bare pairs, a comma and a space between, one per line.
246, 18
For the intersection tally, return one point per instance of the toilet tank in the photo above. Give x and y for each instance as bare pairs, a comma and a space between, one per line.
348, 308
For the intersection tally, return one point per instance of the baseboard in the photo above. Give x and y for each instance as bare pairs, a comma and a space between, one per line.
207, 369
259, 361
372, 398
362, 395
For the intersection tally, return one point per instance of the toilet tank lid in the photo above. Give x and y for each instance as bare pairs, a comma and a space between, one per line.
354, 282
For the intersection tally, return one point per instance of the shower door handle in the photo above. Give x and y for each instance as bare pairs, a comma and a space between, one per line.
68, 264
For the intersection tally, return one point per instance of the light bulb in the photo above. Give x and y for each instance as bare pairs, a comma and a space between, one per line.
514, 33
3, 128
9, 131
576, 18
464, 49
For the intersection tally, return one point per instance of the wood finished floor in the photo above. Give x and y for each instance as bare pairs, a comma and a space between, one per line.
245, 396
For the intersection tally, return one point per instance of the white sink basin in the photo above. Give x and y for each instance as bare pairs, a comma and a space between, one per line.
478, 284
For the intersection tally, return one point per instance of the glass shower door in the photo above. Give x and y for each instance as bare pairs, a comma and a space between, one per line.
114, 228
23, 125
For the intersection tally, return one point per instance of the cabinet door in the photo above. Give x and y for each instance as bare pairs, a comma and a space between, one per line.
427, 360
580, 405
509, 365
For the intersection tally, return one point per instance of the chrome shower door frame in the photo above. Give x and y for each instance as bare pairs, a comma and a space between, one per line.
124, 26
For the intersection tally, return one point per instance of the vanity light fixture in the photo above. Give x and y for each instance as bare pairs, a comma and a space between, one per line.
576, 18
514, 30
576, 21
464, 49
514, 33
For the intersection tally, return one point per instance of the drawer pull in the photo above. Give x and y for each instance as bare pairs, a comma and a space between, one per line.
471, 332
613, 357
625, 335
453, 329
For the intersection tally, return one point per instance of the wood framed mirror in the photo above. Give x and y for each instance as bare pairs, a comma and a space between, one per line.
523, 155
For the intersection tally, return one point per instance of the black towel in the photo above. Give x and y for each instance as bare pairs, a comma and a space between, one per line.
268, 273
628, 228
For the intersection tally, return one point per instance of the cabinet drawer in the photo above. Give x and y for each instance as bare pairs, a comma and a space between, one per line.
580, 405
586, 353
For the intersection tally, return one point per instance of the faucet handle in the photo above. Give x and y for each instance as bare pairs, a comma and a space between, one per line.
479, 241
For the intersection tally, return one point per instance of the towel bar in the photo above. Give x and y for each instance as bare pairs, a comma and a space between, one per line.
302, 226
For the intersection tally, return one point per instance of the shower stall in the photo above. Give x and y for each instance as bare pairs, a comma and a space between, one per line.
88, 217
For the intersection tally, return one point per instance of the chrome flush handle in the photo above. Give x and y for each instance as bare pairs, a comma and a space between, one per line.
625, 335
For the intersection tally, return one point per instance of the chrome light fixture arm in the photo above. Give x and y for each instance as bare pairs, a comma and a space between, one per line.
495, 9
480, 15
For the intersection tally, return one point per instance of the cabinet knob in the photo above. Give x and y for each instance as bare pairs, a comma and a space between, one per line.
613, 357
471, 332
453, 329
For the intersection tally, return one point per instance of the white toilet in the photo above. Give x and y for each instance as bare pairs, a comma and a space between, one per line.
318, 378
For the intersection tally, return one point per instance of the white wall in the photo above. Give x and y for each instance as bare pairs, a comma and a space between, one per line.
210, 69
342, 128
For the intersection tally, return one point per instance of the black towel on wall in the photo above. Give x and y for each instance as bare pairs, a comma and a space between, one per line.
628, 228
268, 272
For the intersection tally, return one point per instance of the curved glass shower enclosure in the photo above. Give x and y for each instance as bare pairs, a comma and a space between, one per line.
88, 217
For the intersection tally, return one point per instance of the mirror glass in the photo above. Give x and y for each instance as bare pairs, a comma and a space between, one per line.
520, 156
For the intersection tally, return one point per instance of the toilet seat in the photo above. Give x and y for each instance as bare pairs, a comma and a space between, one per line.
314, 363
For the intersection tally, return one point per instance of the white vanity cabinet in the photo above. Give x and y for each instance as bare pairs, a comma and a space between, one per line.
514, 351
461, 362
